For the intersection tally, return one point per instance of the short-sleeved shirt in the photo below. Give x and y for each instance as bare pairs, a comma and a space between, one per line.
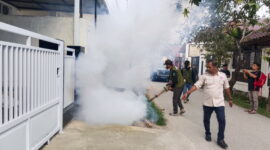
252, 80
227, 72
213, 87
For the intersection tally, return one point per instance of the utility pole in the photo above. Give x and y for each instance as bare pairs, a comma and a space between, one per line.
76, 32
96, 1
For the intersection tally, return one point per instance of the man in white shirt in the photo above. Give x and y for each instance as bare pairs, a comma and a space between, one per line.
213, 83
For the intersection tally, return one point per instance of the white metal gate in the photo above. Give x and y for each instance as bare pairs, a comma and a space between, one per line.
31, 100
69, 77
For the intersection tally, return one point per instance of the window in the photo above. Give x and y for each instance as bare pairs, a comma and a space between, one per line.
5, 10
248, 58
0, 8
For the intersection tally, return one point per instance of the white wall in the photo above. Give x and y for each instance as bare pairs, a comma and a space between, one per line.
56, 27
26, 12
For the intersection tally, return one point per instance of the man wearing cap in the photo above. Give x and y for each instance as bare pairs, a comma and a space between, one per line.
175, 84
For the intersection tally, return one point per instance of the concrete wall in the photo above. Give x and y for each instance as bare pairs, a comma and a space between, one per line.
56, 27
25, 12
194, 50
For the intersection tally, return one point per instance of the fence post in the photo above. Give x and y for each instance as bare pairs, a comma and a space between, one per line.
1, 85
61, 49
28, 41
268, 103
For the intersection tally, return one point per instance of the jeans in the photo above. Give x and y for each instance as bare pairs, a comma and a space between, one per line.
187, 87
177, 99
220, 113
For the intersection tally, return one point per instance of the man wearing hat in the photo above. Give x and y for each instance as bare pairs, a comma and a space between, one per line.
175, 84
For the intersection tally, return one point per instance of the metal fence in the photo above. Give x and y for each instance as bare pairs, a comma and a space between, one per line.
69, 77
31, 101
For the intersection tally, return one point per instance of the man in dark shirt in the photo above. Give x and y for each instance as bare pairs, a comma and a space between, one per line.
190, 77
253, 90
225, 70
175, 84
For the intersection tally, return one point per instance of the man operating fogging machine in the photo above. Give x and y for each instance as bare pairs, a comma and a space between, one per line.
175, 84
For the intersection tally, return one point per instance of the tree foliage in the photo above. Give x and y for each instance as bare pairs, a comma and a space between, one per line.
217, 44
231, 22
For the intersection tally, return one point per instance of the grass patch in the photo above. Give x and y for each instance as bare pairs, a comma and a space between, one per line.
243, 101
161, 121
154, 113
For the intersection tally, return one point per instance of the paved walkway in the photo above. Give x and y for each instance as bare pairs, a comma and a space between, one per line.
243, 132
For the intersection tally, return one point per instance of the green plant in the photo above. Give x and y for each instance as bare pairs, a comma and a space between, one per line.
161, 119
267, 57
242, 100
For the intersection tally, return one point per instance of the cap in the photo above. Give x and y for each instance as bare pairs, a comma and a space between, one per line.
168, 62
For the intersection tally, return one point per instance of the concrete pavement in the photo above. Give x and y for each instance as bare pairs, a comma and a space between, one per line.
243, 131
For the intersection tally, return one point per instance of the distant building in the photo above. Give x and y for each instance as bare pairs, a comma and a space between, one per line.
68, 20
257, 43
195, 54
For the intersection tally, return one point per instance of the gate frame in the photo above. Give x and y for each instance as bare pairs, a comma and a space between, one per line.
6, 127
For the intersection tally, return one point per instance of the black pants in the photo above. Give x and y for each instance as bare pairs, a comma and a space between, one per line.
177, 99
220, 113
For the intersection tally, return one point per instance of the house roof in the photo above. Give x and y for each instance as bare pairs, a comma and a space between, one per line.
88, 6
259, 37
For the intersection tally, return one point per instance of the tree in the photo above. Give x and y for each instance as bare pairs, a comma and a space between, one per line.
217, 44
234, 19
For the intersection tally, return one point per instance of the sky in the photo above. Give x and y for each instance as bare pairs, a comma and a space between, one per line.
264, 12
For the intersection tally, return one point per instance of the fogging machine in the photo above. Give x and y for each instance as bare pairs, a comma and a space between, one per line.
165, 89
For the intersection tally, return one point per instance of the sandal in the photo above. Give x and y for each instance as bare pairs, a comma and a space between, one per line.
253, 112
173, 114
182, 112
248, 110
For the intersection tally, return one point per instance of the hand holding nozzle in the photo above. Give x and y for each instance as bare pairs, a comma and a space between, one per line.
165, 89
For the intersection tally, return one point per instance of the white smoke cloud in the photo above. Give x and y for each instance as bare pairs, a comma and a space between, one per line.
113, 75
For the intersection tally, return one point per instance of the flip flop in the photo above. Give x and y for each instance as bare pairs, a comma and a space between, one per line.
173, 114
253, 112
182, 112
